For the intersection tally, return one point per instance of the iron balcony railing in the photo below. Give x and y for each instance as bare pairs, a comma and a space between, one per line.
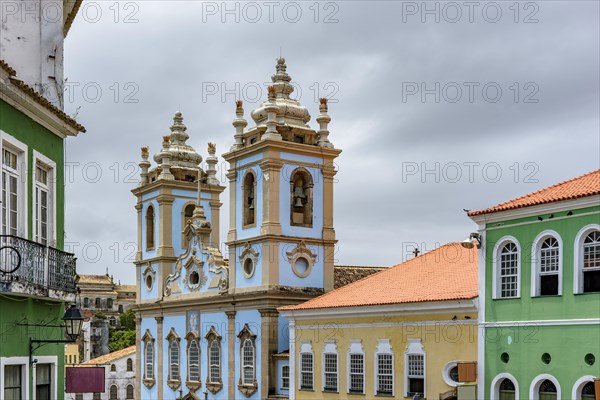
28, 262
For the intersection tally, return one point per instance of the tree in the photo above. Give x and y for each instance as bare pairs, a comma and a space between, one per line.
127, 319
121, 339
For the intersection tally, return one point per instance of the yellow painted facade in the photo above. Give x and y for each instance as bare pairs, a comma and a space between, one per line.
71, 354
444, 338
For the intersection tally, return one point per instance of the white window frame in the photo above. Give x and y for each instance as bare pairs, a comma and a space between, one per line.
189, 358
536, 260
211, 363
446, 374
495, 386
330, 347
50, 167
383, 347
283, 387
496, 287
537, 381
356, 347
251, 365
306, 348
578, 386
415, 347
24, 363
21, 149
149, 343
578, 256
173, 343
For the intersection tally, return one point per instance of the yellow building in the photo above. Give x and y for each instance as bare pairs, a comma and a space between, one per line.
71, 355
399, 333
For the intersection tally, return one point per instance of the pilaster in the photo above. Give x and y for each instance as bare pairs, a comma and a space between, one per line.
159, 365
138, 355
271, 170
215, 208
231, 353
165, 225
232, 176
268, 346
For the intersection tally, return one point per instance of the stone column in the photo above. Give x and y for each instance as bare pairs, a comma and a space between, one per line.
231, 355
328, 231
159, 364
138, 356
268, 346
271, 171
292, 328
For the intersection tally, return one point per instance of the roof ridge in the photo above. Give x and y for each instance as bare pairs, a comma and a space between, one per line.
532, 194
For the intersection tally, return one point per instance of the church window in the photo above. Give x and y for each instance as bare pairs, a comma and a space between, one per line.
150, 228
249, 193
301, 209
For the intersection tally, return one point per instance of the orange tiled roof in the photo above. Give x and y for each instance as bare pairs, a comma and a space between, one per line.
582, 186
107, 358
446, 273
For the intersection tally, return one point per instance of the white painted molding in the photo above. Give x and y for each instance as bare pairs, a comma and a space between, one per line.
539, 322
495, 266
535, 260
578, 256
578, 386
537, 381
495, 386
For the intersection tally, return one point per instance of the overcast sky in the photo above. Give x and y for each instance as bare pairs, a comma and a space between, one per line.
437, 106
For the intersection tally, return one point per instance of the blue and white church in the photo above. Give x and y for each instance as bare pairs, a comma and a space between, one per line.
207, 323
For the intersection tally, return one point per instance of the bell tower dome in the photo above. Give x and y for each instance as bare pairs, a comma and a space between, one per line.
281, 194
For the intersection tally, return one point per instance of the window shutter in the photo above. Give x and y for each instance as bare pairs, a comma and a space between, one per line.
467, 371
597, 388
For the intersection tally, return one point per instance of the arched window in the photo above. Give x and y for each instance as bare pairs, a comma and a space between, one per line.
507, 265
86, 302
114, 392
249, 193
129, 365
301, 198
187, 214
588, 391
546, 265
547, 390
148, 341
150, 228
129, 392
591, 262
109, 303
214, 382
248, 367
194, 361
506, 390
174, 376
248, 384
113, 368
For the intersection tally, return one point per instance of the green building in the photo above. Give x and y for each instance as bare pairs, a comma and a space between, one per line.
539, 291
37, 277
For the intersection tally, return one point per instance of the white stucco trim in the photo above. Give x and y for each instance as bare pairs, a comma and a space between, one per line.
539, 322
24, 362
330, 347
535, 261
383, 347
292, 363
52, 185
446, 373
386, 324
495, 265
537, 381
579, 383
356, 347
578, 256
7, 140
415, 346
481, 301
495, 386
306, 348
53, 361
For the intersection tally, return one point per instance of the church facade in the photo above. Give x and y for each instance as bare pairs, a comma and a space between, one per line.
208, 323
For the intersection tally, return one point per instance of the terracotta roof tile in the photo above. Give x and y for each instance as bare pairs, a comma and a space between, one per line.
345, 274
115, 355
38, 98
446, 273
582, 186
125, 288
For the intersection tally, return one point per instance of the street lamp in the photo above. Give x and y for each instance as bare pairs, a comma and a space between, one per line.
73, 322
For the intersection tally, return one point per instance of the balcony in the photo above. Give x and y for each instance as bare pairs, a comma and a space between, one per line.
31, 269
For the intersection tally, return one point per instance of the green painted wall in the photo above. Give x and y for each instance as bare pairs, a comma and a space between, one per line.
567, 346
548, 307
14, 339
45, 142
525, 344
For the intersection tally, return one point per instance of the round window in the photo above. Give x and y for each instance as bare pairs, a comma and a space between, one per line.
149, 281
301, 265
504, 357
194, 278
248, 267
454, 373
590, 359
546, 358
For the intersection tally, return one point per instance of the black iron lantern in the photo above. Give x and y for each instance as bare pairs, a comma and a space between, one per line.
73, 322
